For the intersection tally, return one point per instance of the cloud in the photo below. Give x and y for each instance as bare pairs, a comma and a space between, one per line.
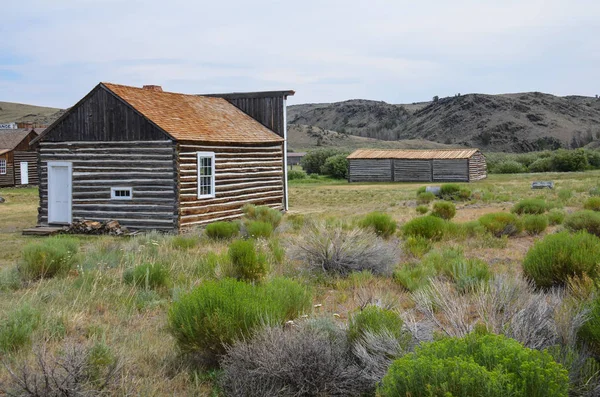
52, 53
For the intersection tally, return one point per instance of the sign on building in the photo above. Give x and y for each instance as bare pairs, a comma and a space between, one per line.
8, 126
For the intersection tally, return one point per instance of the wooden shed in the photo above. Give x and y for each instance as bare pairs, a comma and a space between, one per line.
158, 160
18, 161
448, 165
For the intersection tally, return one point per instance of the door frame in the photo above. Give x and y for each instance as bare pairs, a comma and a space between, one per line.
69, 166
26, 171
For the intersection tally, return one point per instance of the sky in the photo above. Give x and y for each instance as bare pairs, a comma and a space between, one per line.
53, 52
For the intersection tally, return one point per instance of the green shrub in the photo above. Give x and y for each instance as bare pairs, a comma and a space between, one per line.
381, 223
443, 209
375, 320
417, 246
556, 217
535, 224
258, 229
501, 224
315, 159
593, 203
16, 328
421, 189
557, 257
185, 242
476, 365
428, 227
425, 198
222, 230
452, 264
589, 333
413, 276
569, 160
217, 313
509, 167
584, 220
530, 206
541, 165
595, 191
565, 194
10, 279
147, 275
422, 209
464, 194
54, 256
450, 191
336, 166
296, 174
248, 263
263, 213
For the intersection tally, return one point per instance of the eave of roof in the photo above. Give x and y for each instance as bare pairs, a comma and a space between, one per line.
413, 154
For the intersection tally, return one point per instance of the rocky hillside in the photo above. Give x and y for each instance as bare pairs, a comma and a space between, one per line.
511, 122
18, 112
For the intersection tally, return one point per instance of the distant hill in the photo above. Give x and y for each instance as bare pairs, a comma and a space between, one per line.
510, 122
19, 112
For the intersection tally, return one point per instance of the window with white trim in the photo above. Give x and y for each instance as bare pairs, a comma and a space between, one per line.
121, 193
2, 166
206, 174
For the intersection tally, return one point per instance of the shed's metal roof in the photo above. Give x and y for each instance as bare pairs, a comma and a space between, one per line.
413, 154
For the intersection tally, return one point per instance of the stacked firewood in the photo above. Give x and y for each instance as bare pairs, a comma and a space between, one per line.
112, 228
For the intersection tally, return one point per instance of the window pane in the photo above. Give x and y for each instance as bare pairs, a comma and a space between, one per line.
205, 176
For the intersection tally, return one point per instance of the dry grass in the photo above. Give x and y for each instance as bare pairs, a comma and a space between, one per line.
93, 303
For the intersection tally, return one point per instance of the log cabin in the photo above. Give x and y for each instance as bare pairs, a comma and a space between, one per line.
447, 165
163, 161
18, 161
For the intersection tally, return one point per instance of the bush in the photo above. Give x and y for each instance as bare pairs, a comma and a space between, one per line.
556, 217
421, 189
417, 246
413, 276
334, 249
541, 165
248, 264
535, 224
428, 227
569, 160
54, 256
336, 166
584, 220
263, 213
450, 191
422, 209
184, 242
375, 320
593, 203
381, 223
509, 167
425, 198
557, 257
452, 264
258, 229
16, 328
308, 360
296, 174
530, 206
217, 313
315, 159
501, 224
565, 194
589, 333
222, 230
595, 191
148, 275
476, 365
444, 209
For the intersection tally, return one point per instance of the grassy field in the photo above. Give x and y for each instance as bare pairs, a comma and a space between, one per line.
93, 305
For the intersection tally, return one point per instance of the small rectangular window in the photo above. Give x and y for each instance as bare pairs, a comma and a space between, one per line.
206, 174
121, 193
2, 167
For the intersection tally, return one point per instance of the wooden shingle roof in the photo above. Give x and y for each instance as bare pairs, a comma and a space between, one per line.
193, 117
9, 139
413, 154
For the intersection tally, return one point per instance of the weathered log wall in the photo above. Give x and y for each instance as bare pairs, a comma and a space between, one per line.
406, 170
31, 158
454, 170
146, 166
8, 179
477, 167
363, 170
244, 175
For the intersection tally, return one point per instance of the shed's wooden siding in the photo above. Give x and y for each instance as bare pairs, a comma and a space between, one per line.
364, 170
146, 166
31, 158
250, 174
454, 170
407, 170
101, 116
8, 179
267, 110
477, 167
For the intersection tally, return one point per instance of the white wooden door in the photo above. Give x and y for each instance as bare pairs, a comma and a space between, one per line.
59, 192
24, 173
